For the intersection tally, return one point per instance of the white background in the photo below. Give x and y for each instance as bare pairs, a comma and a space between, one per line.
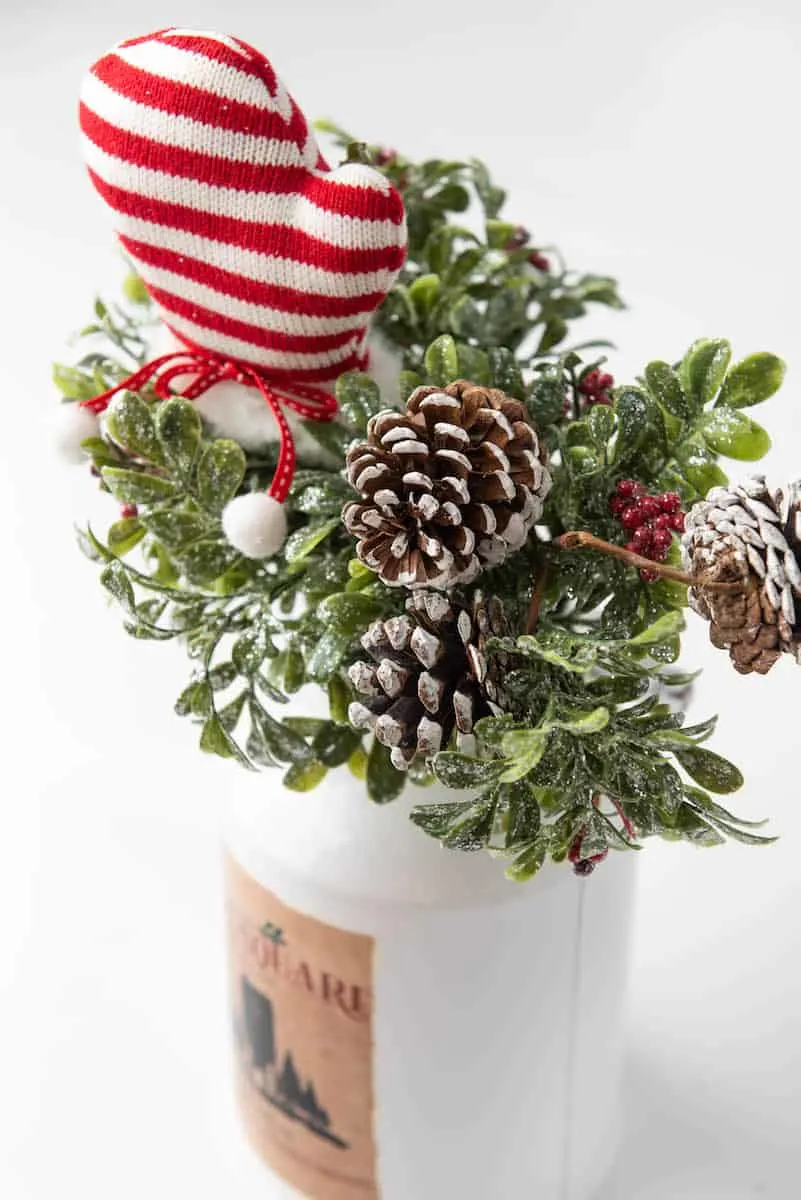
657, 142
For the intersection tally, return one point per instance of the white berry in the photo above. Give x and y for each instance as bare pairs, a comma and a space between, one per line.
255, 524
73, 425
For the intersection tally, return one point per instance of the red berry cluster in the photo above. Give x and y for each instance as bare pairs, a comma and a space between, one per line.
595, 387
519, 238
650, 521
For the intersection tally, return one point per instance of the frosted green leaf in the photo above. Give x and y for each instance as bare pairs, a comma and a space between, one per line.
664, 385
214, 739
175, 528
730, 432
461, 771
523, 750
350, 612
135, 487
130, 423
327, 654
303, 777
384, 783
205, 560
584, 723
662, 630
299, 545
710, 770
753, 380
358, 398
529, 861
703, 369
424, 293
334, 744
124, 534
631, 407
442, 361
116, 582
220, 473
178, 428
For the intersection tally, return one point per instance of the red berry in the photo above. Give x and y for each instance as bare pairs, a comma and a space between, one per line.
633, 517
539, 261
589, 384
640, 490
617, 505
632, 548
648, 576
661, 539
626, 487
662, 521
385, 157
642, 539
129, 510
670, 502
651, 507
599, 398
605, 381
677, 521
518, 239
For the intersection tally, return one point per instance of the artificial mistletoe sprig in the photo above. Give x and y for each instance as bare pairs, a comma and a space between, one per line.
553, 713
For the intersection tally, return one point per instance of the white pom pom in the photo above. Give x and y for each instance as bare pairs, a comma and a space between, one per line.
74, 424
255, 524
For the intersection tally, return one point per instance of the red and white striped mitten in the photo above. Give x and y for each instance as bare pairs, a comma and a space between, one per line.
254, 251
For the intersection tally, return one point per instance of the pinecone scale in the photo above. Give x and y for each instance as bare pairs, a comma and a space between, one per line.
453, 484
428, 674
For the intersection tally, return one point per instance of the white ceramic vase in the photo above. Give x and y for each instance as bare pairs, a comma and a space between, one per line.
410, 1025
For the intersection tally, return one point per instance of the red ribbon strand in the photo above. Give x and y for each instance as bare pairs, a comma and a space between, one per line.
311, 403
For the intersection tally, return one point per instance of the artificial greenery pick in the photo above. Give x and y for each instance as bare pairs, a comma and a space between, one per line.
558, 716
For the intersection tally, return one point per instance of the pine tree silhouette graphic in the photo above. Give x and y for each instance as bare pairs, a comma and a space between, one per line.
258, 1038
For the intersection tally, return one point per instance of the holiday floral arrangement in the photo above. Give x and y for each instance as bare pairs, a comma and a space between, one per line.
483, 563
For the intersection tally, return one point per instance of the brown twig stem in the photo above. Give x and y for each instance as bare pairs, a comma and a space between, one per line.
576, 539
540, 581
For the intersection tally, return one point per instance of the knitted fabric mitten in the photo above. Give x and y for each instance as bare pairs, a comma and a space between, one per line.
251, 247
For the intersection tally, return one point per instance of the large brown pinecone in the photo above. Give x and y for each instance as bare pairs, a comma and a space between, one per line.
451, 485
428, 675
748, 535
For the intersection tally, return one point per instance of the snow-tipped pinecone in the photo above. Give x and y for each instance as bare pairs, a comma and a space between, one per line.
451, 485
429, 674
749, 535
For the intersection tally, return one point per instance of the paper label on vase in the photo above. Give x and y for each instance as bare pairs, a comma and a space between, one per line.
302, 997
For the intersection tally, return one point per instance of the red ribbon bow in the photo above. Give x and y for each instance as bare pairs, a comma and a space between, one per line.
312, 403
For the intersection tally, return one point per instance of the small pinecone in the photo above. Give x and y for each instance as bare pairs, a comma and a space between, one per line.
450, 486
749, 535
429, 674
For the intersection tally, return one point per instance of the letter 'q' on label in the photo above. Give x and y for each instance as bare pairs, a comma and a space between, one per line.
302, 997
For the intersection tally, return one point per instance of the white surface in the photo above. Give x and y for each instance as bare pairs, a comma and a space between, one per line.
656, 142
